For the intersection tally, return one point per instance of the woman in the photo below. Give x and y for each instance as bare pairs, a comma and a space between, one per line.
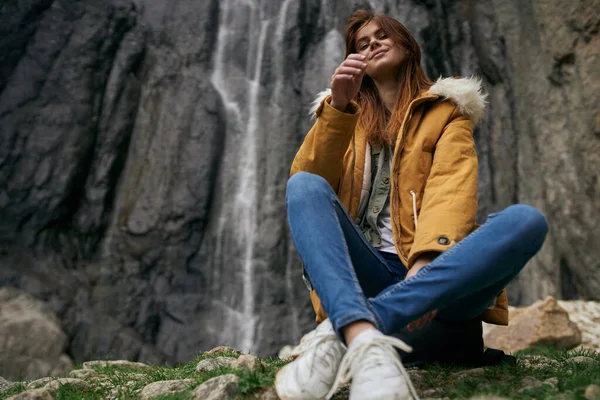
381, 206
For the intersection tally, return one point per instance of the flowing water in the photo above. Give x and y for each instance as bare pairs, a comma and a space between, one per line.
242, 105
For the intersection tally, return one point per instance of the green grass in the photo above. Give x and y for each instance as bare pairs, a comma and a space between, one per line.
18, 388
506, 381
502, 381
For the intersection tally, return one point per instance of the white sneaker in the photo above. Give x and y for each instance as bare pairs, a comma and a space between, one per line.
374, 366
311, 375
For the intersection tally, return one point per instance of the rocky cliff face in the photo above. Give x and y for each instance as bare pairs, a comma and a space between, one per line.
144, 151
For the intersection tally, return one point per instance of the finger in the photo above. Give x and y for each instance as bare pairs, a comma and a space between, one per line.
354, 63
341, 77
356, 56
338, 79
359, 77
349, 71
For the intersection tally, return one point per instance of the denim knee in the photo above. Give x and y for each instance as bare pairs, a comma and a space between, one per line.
531, 222
304, 186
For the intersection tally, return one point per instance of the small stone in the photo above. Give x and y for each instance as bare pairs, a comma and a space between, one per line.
251, 363
54, 386
163, 388
213, 363
118, 392
115, 393
416, 374
566, 395
38, 383
34, 394
222, 387
429, 392
468, 373
592, 392
5, 385
222, 349
553, 382
582, 360
529, 383
83, 373
525, 389
537, 362
286, 352
116, 363
268, 394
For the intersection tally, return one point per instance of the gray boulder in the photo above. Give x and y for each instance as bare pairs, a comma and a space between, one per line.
222, 387
32, 342
163, 388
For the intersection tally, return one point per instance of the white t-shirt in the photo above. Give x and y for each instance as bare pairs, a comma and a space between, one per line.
384, 224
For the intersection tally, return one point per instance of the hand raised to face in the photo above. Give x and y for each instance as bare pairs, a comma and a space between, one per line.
346, 80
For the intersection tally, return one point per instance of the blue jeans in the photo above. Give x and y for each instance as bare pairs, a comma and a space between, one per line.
355, 282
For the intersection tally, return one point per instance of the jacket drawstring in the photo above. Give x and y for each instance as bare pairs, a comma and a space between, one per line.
414, 201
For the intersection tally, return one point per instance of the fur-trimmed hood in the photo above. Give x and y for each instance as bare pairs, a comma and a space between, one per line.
466, 93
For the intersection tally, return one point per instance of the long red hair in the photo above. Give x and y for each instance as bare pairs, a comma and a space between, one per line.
381, 125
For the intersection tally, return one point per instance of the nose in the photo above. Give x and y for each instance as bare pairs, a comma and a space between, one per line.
374, 44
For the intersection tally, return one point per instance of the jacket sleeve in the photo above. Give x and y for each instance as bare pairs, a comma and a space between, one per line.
449, 203
323, 149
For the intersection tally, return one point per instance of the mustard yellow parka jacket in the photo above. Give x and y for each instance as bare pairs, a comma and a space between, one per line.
433, 196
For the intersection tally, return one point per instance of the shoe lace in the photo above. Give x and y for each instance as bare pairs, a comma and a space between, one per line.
355, 358
311, 342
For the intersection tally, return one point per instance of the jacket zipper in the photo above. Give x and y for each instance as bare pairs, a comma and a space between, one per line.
352, 175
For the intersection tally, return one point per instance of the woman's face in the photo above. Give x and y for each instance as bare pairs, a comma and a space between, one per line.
383, 58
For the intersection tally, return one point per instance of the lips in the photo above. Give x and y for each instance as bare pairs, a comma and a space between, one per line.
377, 52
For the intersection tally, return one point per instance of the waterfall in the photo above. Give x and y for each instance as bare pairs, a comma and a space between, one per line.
243, 214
